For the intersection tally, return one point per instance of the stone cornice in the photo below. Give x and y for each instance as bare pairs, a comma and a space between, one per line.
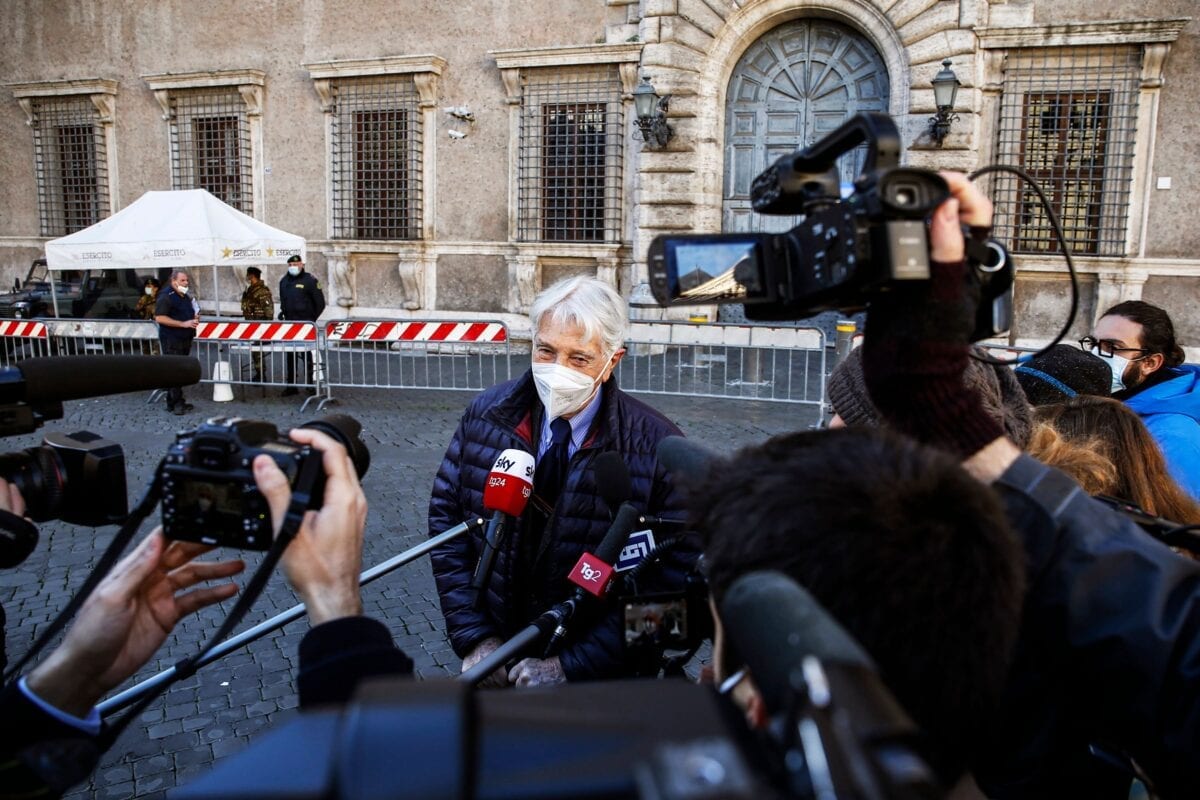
384, 65
60, 88
202, 80
1141, 31
573, 55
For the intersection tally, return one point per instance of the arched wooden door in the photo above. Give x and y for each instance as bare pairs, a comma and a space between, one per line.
790, 88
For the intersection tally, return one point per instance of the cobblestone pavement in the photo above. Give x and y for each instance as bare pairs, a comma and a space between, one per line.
224, 706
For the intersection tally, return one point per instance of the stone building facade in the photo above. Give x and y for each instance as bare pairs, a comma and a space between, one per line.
446, 160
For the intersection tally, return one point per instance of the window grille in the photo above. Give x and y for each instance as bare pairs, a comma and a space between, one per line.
376, 140
71, 163
210, 145
570, 159
1068, 116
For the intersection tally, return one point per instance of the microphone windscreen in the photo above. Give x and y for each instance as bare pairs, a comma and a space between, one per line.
613, 483
618, 533
51, 380
773, 623
510, 483
685, 458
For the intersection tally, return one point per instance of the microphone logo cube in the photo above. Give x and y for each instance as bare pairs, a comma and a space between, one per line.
591, 574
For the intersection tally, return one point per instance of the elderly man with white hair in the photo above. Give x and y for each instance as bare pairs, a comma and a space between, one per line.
565, 411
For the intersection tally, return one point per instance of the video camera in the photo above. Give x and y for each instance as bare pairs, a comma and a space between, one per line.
209, 492
843, 252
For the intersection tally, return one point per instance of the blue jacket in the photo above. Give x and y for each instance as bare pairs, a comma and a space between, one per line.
502, 417
1171, 410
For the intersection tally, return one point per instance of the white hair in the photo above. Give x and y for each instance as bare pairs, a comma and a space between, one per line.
588, 302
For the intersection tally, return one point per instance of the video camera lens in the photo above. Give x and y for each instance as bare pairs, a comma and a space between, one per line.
78, 478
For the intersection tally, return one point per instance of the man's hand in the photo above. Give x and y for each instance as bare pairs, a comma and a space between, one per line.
323, 561
126, 619
482, 651
537, 672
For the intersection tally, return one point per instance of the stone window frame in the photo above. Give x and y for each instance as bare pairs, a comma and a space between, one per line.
102, 93
249, 84
425, 72
527, 258
417, 260
1153, 36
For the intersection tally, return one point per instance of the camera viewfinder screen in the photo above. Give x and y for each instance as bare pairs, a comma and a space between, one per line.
207, 508
705, 270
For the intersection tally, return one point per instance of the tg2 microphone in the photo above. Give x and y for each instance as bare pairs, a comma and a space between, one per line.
505, 493
593, 572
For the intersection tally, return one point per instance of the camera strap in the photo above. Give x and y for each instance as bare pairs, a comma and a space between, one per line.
102, 568
310, 470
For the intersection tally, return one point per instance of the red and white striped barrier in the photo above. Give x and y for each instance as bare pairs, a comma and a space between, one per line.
23, 329
387, 331
258, 331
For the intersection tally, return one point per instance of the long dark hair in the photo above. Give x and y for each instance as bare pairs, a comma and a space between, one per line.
1158, 333
1119, 434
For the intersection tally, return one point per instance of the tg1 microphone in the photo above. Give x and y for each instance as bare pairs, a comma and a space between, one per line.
593, 572
505, 493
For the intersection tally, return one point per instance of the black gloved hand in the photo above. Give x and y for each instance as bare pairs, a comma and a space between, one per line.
917, 338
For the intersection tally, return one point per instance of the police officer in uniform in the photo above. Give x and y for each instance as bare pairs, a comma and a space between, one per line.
257, 304
177, 317
300, 299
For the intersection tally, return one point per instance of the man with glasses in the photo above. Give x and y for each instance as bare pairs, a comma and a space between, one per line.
1137, 341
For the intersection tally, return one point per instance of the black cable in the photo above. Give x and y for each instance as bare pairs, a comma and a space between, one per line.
1066, 252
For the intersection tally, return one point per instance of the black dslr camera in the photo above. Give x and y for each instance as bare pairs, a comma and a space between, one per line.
208, 489
843, 251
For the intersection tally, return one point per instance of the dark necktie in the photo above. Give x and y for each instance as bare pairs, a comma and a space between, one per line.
551, 470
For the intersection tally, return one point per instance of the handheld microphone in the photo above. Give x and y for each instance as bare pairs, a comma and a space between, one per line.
53, 380
593, 572
685, 458
507, 490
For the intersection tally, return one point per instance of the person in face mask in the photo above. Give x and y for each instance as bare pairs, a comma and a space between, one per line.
145, 304
300, 298
1137, 341
565, 411
177, 317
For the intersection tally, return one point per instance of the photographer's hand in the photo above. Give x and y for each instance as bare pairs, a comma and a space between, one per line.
918, 334
323, 561
126, 619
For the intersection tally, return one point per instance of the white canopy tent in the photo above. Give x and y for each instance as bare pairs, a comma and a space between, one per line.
176, 229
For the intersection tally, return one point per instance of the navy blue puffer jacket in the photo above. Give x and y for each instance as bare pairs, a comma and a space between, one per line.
500, 418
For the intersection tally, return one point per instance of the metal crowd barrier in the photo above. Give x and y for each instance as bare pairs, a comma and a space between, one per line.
752, 362
424, 354
252, 355
22, 339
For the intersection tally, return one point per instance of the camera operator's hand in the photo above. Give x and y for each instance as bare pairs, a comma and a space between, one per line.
11, 499
537, 672
126, 619
323, 562
917, 337
482, 650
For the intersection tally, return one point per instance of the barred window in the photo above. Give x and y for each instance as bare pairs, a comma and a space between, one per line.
71, 163
1068, 116
210, 145
376, 141
570, 156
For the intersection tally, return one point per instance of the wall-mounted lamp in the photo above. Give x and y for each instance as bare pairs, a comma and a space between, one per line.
945, 90
652, 115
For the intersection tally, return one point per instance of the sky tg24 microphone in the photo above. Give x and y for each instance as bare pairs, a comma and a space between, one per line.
505, 493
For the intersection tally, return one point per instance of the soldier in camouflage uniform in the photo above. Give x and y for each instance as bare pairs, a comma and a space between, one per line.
145, 304
257, 304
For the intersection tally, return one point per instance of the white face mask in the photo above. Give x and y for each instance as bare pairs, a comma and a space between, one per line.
181, 289
149, 290
1117, 364
562, 390
293, 271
